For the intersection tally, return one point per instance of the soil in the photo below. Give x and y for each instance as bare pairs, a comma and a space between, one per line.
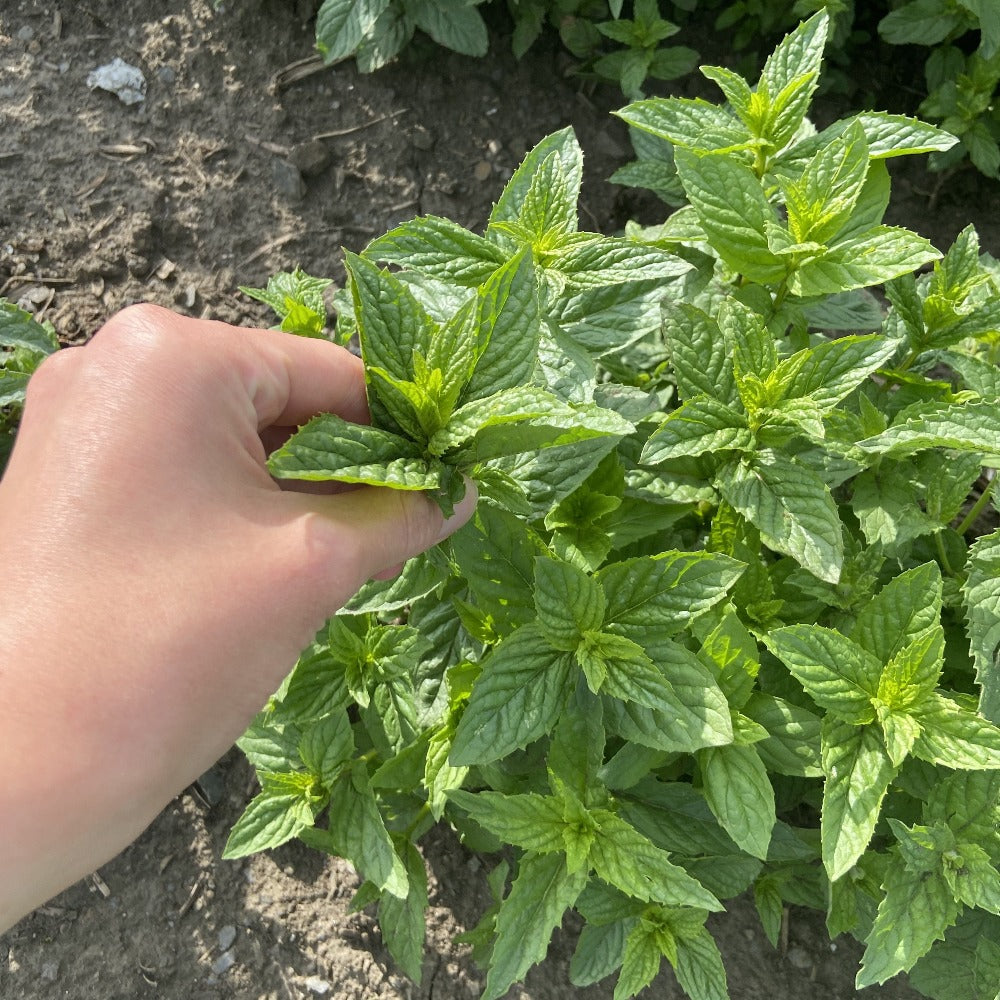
222, 176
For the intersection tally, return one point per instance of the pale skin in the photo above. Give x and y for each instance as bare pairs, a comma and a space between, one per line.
158, 583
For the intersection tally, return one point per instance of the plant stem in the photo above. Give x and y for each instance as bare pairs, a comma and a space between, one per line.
977, 508
942, 555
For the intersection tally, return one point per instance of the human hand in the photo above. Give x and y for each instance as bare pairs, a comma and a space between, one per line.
159, 584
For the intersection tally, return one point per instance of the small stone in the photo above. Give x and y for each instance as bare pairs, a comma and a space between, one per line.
482, 170
166, 75
422, 139
227, 937
493, 147
311, 158
288, 180
800, 958
26, 34
50, 971
317, 986
223, 963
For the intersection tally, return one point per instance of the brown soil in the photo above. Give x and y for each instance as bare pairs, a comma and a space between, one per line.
216, 180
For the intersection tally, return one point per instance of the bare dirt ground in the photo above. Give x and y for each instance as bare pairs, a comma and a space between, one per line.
220, 178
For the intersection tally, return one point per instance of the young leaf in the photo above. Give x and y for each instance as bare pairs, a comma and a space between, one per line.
569, 603
702, 425
982, 604
699, 968
269, 821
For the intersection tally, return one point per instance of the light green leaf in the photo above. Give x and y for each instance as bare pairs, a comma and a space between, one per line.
700, 425
697, 352
740, 795
269, 821
981, 592
18, 328
438, 247
798, 55
626, 859
832, 370
440, 777
911, 676
517, 698
858, 772
921, 22
627, 672
326, 746
866, 259
734, 212
915, 912
534, 907
532, 822
954, 736
688, 124
905, 608
791, 507
665, 592
640, 961
837, 673
968, 427
331, 448
611, 260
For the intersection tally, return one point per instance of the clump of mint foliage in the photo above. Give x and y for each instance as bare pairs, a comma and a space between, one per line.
24, 344
721, 622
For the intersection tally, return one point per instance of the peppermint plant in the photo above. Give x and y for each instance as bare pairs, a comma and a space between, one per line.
727, 617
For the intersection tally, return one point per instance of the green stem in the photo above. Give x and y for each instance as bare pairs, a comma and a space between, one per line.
942, 555
977, 508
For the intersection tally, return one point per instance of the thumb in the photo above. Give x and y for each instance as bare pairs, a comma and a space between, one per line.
375, 528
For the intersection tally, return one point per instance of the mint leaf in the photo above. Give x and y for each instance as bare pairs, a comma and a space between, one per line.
270, 820
517, 698
970, 427
698, 353
955, 737
982, 607
740, 795
461, 29
402, 921
534, 907
18, 328
700, 425
532, 822
858, 772
569, 603
699, 967
331, 448
688, 124
791, 506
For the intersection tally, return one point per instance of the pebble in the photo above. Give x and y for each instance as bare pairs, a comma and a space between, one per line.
223, 963
50, 971
227, 936
320, 987
800, 958
166, 75
288, 180
311, 158
482, 170
26, 34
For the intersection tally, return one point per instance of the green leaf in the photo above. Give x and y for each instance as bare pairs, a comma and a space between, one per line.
331, 448
734, 212
869, 258
269, 821
511, 202
791, 507
610, 260
626, 859
509, 330
402, 921
387, 38
688, 124
699, 968
460, 28
532, 822
18, 328
798, 55
740, 795
441, 248
640, 960
981, 592
600, 950
905, 608
342, 24
793, 743
914, 913
624, 670
954, 736
569, 603
838, 674
665, 592
697, 352
326, 746
701, 425
517, 698
968, 427
923, 22
911, 676
534, 907
832, 370
440, 777
297, 299
858, 773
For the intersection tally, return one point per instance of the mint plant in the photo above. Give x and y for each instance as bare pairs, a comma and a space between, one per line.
726, 618
24, 344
